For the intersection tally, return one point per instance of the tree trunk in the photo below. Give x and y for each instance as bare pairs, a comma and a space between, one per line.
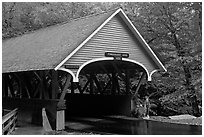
191, 88
188, 78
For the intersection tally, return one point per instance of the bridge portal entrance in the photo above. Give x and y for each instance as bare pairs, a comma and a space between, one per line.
90, 63
105, 87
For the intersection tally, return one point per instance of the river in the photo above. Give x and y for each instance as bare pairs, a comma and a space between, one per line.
116, 126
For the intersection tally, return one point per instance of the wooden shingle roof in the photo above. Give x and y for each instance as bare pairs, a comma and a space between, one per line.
51, 47
47, 47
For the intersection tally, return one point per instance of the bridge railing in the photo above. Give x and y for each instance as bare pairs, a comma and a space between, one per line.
9, 121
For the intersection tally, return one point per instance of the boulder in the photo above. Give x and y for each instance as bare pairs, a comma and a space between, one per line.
185, 116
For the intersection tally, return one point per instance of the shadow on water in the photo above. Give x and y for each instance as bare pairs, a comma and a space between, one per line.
107, 125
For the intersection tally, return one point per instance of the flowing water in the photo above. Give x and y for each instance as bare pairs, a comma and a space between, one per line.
110, 125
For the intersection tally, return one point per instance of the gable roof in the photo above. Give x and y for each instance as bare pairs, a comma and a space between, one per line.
51, 47
47, 47
131, 27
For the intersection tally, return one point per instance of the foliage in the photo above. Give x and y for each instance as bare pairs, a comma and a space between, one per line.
174, 30
19, 18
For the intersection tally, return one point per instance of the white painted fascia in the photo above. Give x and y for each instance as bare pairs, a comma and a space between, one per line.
137, 32
68, 71
87, 39
99, 28
110, 58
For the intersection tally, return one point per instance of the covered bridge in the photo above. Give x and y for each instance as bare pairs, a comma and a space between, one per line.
40, 67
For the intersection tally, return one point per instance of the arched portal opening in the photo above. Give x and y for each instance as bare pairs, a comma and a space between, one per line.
105, 87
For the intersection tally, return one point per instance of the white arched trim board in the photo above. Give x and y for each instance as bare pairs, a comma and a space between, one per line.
133, 61
153, 72
87, 39
70, 72
132, 27
110, 58
138, 35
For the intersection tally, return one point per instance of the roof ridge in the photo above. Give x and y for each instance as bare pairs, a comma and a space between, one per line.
64, 22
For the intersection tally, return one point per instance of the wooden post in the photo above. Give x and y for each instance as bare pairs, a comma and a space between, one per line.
134, 99
127, 82
46, 89
60, 120
113, 83
140, 82
10, 86
60, 115
46, 124
4, 85
79, 88
72, 87
117, 85
91, 84
97, 84
21, 78
54, 84
67, 84
41, 90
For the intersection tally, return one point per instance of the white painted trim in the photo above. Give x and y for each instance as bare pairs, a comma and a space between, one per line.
153, 72
90, 61
136, 62
99, 28
69, 71
110, 58
87, 39
137, 32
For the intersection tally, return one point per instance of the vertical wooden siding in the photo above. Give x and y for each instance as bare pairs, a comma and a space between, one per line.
115, 36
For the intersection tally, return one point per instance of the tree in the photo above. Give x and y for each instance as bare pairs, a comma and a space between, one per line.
172, 29
21, 17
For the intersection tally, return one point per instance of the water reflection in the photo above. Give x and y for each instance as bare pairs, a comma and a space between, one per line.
145, 127
134, 127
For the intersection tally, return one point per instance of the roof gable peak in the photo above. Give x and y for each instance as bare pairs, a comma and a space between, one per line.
131, 27
88, 38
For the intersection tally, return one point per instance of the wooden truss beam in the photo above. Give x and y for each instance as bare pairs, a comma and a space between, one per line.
67, 84
127, 82
54, 84
22, 85
139, 83
5, 85
91, 84
9, 80
108, 83
85, 86
97, 84
113, 83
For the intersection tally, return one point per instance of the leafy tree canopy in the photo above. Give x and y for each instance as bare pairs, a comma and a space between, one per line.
173, 29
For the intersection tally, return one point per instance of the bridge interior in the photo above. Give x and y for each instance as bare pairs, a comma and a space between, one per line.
104, 88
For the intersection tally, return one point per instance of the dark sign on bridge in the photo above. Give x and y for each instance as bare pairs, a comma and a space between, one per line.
117, 56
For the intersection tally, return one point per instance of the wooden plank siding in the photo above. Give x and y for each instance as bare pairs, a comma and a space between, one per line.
115, 36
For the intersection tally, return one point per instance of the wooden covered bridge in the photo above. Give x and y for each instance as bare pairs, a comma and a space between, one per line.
55, 66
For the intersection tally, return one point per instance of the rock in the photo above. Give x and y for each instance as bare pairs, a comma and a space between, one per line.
186, 116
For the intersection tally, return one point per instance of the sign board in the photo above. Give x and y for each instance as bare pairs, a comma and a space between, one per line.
117, 56
71, 66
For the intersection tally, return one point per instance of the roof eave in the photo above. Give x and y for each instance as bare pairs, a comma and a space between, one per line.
87, 39
142, 41
132, 28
